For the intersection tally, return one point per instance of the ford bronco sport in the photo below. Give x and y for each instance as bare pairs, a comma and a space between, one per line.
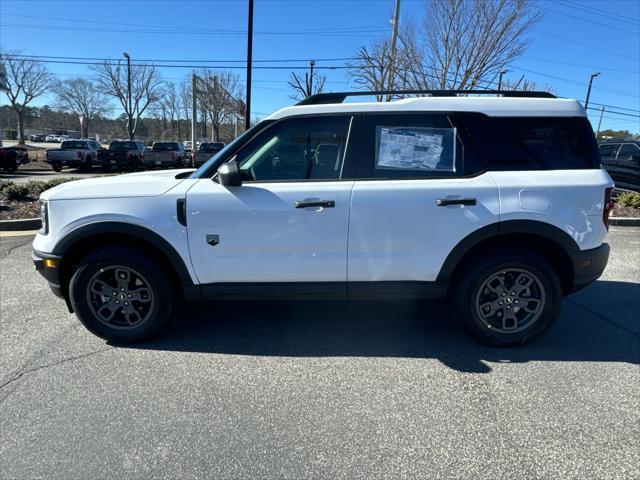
495, 200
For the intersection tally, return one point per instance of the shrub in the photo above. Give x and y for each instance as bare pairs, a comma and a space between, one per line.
4, 185
37, 187
628, 199
16, 192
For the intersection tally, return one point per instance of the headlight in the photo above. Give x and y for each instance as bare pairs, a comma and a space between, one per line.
44, 216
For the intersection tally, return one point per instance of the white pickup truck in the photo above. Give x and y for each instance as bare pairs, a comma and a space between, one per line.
74, 153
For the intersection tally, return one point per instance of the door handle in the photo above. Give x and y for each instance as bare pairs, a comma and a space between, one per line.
443, 202
315, 203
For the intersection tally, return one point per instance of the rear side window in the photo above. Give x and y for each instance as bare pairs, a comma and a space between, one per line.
533, 143
608, 150
628, 149
408, 146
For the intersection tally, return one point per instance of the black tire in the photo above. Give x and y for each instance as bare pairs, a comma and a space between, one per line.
57, 168
152, 309
480, 289
87, 165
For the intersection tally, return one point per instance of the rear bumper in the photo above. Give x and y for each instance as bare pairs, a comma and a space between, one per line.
588, 265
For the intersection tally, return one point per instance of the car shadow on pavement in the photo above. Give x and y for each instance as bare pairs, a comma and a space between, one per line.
600, 324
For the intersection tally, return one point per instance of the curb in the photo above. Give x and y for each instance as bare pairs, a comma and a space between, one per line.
21, 224
624, 221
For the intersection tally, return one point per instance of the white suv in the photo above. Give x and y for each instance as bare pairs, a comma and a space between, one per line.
496, 202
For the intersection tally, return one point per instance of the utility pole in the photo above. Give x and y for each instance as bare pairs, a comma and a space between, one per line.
586, 101
394, 41
129, 113
502, 72
599, 122
311, 65
247, 118
194, 87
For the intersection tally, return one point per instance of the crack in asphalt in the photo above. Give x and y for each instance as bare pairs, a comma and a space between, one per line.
22, 373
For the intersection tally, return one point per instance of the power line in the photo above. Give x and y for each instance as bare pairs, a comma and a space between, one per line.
613, 106
351, 29
594, 47
618, 29
597, 11
185, 32
101, 59
615, 113
597, 67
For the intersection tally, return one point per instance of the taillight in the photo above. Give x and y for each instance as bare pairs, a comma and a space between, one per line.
608, 206
79, 154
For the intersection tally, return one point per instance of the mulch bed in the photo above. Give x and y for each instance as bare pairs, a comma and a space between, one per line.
626, 212
14, 210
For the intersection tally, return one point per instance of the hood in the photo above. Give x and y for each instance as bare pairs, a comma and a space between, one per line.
143, 184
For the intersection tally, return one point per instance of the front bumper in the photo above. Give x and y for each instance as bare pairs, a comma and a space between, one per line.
588, 265
48, 265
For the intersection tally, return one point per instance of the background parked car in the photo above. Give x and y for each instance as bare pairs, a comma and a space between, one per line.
37, 137
51, 138
621, 159
121, 155
206, 151
166, 154
12, 157
74, 153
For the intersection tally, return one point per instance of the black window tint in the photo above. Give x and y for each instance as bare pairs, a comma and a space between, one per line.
628, 149
533, 143
408, 146
297, 149
608, 150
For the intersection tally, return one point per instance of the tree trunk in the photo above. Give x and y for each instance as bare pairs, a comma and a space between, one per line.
20, 127
216, 132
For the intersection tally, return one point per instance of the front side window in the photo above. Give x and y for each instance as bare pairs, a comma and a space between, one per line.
297, 149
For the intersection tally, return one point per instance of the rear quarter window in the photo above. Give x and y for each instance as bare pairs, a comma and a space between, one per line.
533, 143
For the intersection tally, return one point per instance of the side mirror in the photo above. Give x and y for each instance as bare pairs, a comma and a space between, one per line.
229, 174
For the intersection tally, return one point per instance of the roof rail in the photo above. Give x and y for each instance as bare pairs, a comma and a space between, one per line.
339, 97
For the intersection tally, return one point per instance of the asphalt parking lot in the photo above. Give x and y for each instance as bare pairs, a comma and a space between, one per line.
321, 390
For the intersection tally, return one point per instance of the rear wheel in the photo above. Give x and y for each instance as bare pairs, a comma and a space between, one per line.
57, 168
121, 294
508, 298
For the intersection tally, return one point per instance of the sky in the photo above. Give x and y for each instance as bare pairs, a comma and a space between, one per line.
574, 39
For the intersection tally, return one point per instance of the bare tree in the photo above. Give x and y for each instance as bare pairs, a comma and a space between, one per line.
525, 85
469, 41
26, 79
81, 98
146, 88
218, 93
307, 84
377, 69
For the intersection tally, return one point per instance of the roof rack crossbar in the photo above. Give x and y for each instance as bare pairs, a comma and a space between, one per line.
339, 97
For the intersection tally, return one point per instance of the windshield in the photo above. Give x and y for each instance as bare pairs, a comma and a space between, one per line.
122, 146
164, 146
208, 168
72, 144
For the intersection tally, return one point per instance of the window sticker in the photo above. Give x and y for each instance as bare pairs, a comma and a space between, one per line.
414, 148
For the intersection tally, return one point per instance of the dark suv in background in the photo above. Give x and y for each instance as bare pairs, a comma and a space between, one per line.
121, 155
621, 158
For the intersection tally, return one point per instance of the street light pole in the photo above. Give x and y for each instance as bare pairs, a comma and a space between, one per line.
599, 122
129, 116
194, 87
586, 101
247, 118
502, 72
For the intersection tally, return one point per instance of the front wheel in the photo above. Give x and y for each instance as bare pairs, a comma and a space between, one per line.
121, 294
57, 168
508, 298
